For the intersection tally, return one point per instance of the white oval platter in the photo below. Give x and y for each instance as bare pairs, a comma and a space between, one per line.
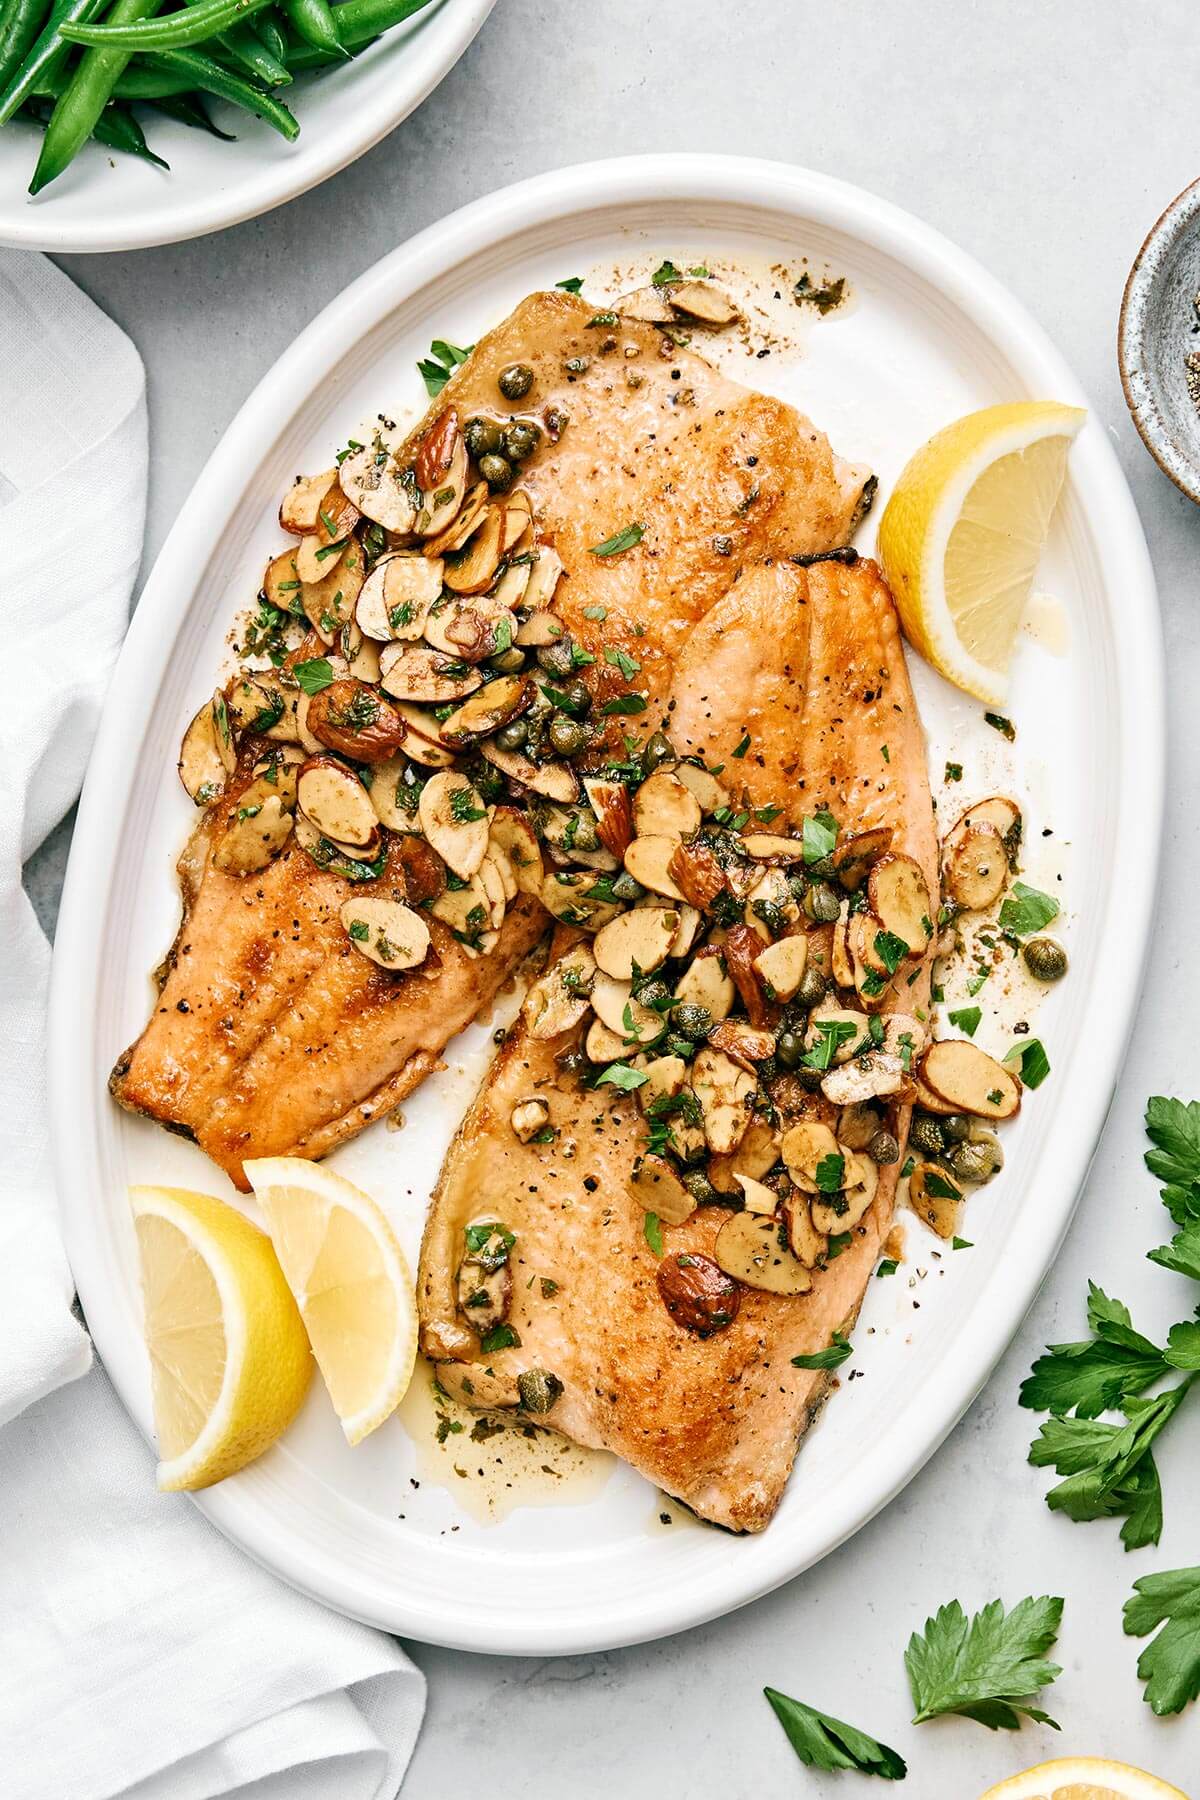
927, 336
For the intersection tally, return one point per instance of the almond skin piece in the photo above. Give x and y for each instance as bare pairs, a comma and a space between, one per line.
697, 1294
436, 451
698, 875
424, 870
742, 945
354, 719
742, 1043
614, 814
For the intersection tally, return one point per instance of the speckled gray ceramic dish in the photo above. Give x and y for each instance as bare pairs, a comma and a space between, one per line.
1159, 328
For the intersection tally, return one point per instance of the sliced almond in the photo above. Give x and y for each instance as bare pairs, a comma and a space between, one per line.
755, 1156
379, 487
539, 631
222, 728
805, 1147
441, 473
868, 1077
472, 569
388, 932
935, 1196
559, 999
322, 549
610, 802
257, 832
723, 1091
703, 302
853, 855
281, 584
341, 859
807, 1244
758, 1199
361, 654
899, 896
201, 766
650, 304
603, 1045
509, 591
424, 742
696, 871
455, 821
396, 596
840, 961
705, 788
491, 877
518, 512
646, 860
394, 792
926, 1099
836, 1015
975, 866
329, 603
848, 1209
780, 967
544, 577
511, 832
554, 780
528, 1118
665, 1076
763, 846
335, 800
748, 1248
705, 983
415, 672
570, 896
455, 534
686, 932
498, 855
633, 1023
300, 508
664, 807
465, 910
770, 895
969, 1080
640, 938
857, 1124
473, 628
656, 1187
1002, 813
279, 769
494, 705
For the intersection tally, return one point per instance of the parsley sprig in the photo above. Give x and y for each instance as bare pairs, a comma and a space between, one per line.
822, 1742
986, 1667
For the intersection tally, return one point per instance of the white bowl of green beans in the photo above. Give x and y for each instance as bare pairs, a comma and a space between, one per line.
127, 123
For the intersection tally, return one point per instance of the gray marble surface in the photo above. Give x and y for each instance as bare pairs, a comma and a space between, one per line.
1045, 140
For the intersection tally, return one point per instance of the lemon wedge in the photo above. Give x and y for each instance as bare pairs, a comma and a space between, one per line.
341, 1259
961, 536
1084, 1778
229, 1359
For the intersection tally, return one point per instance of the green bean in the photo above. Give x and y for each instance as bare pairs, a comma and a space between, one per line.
213, 79
23, 19
178, 31
117, 129
47, 56
84, 99
246, 48
191, 111
271, 37
313, 21
360, 20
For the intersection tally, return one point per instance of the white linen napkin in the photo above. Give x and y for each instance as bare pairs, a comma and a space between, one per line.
142, 1655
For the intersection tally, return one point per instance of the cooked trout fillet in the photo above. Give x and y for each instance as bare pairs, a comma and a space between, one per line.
271, 1035
810, 662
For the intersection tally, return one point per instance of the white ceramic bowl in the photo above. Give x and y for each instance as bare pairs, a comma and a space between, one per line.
106, 201
928, 336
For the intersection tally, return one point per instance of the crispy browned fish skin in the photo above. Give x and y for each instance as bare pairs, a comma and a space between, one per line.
714, 1421
291, 1041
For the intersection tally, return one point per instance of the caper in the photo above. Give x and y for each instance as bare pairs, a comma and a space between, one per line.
925, 1135
822, 869
515, 381
481, 437
568, 737
692, 1021
509, 661
556, 420
700, 1187
520, 440
577, 365
789, 1048
674, 1045
1045, 959
658, 750
557, 658
653, 993
576, 694
513, 735
584, 836
978, 1159
539, 1389
572, 1061
883, 1148
822, 903
956, 1127
496, 472
624, 887
812, 988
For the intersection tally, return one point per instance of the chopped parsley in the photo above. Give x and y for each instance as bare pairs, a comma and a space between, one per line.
818, 835
834, 1353
463, 809
315, 675
571, 285
620, 659
620, 1075
360, 931
742, 745
652, 1228
890, 949
500, 1337
1004, 726
1027, 909
436, 369
625, 703
888, 1266
831, 1173
625, 539
1033, 1065
967, 1019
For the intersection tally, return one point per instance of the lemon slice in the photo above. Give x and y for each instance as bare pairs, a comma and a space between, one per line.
1084, 1778
351, 1282
229, 1360
961, 536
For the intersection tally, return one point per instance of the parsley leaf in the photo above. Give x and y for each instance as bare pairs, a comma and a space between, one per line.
834, 1353
500, 1337
1004, 726
314, 675
888, 1266
652, 1227
1182, 1254
1170, 1664
1173, 1127
621, 659
967, 1019
1100, 1462
625, 539
983, 1668
1033, 1064
437, 368
831, 1173
890, 949
620, 1075
1027, 909
1098, 1373
625, 703
822, 1742
818, 836
571, 285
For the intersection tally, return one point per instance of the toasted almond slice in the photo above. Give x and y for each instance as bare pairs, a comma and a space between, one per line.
445, 493
279, 769
903, 1033
862, 937
415, 672
282, 586
511, 832
686, 932
840, 963
723, 1091
641, 937
758, 1199
807, 1244
836, 1015
696, 872
853, 856
857, 1124
329, 603
755, 1156
518, 518
664, 807
393, 792
494, 705
650, 304
253, 704
603, 1045
455, 821
665, 1076
544, 578
257, 832
703, 302
341, 859
492, 881
975, 867
388, 932
472, 629
334, 799
1002, 813
509, 591
559, 999
925, 1097
396, 596
770, 895
528, 1118
361, 654
497, 854
299, 510
656, 1187
899, 896
223, 737
465, 910
565, 894
646, 860
201, 766
635, 1024
455, 534
780, 967
748, 1248
610, 802
805, 1147
763, 846
539, 631
866, 1078
554, 780
746, 1044
472, 569
969, 1080
323, 548
379, 487
935, 1196
424, 743
705, 983
842, 1213
706, 789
